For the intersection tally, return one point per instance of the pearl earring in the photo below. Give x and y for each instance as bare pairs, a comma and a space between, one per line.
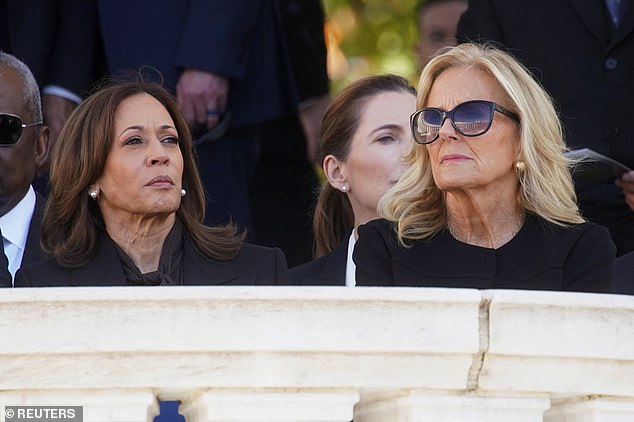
94, 194
344, 188
183, 192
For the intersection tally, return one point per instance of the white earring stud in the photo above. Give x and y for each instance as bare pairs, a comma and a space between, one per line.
183, 192
344, 188
93, 194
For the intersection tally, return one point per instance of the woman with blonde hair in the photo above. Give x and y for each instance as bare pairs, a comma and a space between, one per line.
488, 199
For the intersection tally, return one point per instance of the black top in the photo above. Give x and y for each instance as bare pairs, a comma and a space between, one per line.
542, 256
254, 265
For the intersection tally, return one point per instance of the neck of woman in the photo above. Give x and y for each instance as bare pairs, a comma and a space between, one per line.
141, 238
487, 223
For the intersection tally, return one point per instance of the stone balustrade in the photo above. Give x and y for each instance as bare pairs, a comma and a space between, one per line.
300, 354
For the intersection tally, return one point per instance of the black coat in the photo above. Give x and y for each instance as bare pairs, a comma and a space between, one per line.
542, 256
254, 265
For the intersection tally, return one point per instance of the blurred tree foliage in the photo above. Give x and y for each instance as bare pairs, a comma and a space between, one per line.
368, 37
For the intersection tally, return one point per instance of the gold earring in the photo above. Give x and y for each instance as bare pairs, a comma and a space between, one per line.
520, 168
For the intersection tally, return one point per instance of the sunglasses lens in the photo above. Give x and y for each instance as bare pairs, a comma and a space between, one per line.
10, 129
473, 118
426, 125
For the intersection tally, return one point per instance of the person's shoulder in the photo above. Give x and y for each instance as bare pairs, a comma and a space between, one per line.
586, 231
380, 226
327, 270
46, 272
252, 251
575, 229
266, 262
307, 271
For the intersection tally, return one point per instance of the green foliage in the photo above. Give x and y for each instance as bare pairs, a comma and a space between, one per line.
367, 37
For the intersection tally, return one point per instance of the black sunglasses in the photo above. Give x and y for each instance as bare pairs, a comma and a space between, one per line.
11, 129
471, 118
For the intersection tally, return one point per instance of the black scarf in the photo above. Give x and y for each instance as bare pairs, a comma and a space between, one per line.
170, 269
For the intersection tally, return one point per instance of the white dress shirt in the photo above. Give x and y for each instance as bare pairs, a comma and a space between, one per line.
15, 229
351, 268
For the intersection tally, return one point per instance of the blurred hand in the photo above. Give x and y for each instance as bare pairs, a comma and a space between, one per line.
55, 110
310, 116
626, 182
198, 92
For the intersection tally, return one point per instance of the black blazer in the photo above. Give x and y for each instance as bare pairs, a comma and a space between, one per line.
254, 265
588, 68
542, 256
328, 270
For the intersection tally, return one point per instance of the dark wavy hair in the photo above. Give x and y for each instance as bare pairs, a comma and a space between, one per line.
333, 217
72, 222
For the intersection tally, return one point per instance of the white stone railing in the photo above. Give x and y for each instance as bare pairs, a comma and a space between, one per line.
277, 354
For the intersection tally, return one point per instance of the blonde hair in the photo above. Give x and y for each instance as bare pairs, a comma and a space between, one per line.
546, 189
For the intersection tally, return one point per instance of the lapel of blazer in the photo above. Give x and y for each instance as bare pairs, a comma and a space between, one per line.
201, 270
594, 14
32, 249
104, 270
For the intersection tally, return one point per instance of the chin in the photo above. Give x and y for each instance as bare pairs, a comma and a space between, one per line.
166, 206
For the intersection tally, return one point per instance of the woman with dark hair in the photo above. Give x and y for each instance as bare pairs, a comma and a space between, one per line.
126, 205
364, 136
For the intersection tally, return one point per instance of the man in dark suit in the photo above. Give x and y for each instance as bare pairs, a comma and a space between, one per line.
23, 149
59, 41
225, 61
582, 51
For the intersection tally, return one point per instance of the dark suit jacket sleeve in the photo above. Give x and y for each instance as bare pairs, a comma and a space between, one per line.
217, 35
58, 40
479, 23
372, 255
590, 264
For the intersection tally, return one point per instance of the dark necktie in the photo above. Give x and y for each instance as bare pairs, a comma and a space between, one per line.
5, 275
616, 8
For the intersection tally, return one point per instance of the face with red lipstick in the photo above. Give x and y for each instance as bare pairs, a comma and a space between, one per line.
144, 168
486, 161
